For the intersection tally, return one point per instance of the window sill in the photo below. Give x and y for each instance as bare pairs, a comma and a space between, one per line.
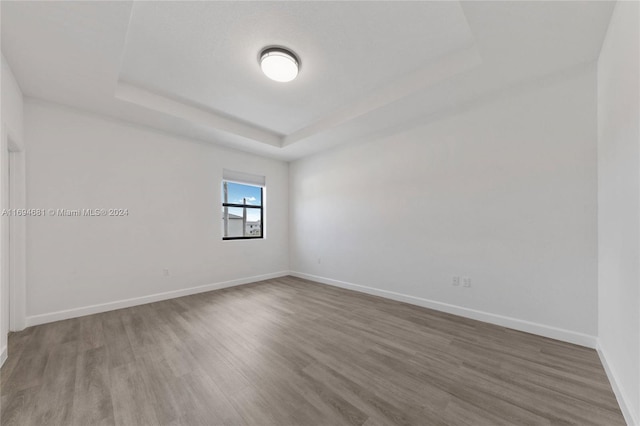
241, 238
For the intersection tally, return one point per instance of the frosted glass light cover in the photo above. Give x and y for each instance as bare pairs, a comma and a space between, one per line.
278, 65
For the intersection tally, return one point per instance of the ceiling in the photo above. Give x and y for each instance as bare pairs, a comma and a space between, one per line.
367, 68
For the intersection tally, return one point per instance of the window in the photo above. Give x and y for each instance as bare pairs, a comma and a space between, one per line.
242, 211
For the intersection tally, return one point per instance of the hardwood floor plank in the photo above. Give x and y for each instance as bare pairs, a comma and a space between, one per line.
17, 408
117, 344
289, 351
460, 412
205, 392
91, 332
131, 397
164, 388
92, 403
54, 399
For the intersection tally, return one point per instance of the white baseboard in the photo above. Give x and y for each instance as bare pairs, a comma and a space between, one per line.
119, 304
623, 401
514, 323
3, 356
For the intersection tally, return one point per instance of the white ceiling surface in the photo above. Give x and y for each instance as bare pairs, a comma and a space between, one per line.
190, 68
207, 53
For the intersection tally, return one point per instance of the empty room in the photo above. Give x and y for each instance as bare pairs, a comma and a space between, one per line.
300, 213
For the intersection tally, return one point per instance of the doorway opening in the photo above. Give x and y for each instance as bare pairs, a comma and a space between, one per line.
13, 235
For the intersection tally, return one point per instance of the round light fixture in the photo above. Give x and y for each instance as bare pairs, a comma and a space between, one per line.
279, 64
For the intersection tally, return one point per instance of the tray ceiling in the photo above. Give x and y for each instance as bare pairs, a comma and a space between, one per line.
191, 68
206, 53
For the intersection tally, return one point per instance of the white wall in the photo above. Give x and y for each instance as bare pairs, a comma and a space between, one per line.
11, 133
12, 103
503, 192
171, 188
619, 205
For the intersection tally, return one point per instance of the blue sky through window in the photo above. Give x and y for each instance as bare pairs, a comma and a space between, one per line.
236, 192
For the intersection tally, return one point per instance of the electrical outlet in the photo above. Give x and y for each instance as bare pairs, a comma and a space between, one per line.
466, 281
455, 281
165, 272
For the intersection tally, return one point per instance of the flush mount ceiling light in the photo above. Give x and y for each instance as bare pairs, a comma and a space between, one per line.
279, 64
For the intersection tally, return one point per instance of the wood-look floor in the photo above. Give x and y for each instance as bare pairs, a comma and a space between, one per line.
291, 352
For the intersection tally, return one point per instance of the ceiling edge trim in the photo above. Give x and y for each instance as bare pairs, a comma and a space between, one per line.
142, 97
448, 66
462, 60
496, 95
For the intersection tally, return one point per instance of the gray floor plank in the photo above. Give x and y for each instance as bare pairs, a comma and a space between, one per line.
292, 352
